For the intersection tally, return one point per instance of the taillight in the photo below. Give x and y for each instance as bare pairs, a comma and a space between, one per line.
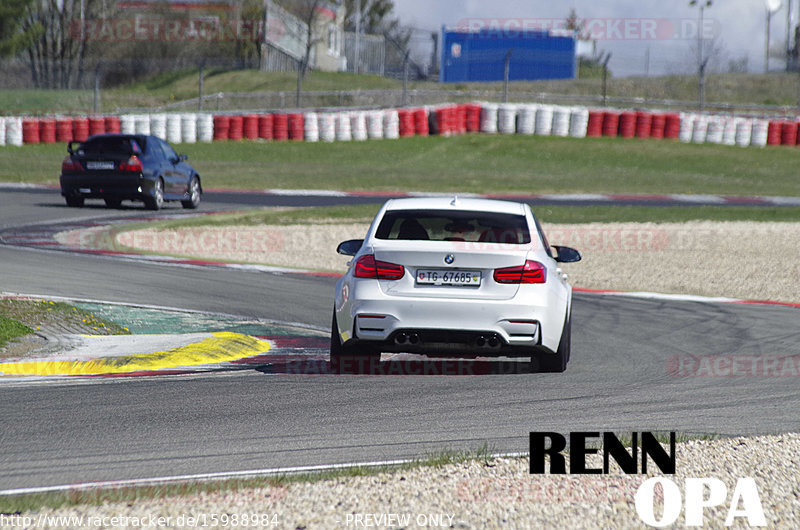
70, 165
368, 267
531, 272
133, 164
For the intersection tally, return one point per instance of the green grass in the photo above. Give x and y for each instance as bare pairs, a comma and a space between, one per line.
470, 163
760, 89
11, 329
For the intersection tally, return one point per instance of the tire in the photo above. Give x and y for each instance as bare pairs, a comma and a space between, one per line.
75, 202
557, 362
113, 203
194, 195
157, 200
351, 358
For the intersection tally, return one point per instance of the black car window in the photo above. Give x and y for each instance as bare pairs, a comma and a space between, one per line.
444, 225
110, 145
169, 152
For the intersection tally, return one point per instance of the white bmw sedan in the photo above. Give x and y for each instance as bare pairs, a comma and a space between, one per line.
454, 277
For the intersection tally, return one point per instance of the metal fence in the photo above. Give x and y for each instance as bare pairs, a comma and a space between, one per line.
371, 56
261, 101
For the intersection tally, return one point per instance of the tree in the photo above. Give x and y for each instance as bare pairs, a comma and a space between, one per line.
56, 53
374, 15
13, 38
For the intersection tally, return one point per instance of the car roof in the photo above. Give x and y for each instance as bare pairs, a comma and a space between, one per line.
456, 203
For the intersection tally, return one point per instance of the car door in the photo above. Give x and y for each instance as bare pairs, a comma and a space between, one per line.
168, 159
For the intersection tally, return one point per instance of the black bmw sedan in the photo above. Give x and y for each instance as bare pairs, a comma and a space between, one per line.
118, 167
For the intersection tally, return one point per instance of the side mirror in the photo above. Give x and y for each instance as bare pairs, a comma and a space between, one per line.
566, 254
349, 247
183, 158
70, 149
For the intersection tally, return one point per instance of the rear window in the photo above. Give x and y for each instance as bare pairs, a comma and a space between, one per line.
443, 225
112, 145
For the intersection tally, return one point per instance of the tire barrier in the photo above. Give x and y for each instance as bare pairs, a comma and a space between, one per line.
235, 127
358, 126
222, 125
189, 128
327, 127
391, 124
97, 125
173, 124
158, 125
311, 127
47, 131
250, 126
127, 124
64, 130
280, 127
30, 131
205, 128
443, 120
265, 126
544, 120
296, 128
561, 116
80, 129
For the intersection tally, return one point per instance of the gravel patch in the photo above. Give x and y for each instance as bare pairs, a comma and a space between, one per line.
499, 493
748, 260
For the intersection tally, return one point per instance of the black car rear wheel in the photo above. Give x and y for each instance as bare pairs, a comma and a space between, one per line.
157, 200
194, 195
75, 202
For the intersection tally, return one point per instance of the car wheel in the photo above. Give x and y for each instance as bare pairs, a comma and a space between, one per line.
157, 200
194, 194
75, 202
549, 362
113, 203
350, 358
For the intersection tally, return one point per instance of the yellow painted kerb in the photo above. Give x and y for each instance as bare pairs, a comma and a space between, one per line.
221, 346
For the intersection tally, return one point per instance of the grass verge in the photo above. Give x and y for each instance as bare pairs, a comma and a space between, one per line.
11, 329
476, 163
97, 496
32, 315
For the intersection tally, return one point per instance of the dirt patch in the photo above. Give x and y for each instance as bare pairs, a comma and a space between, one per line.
749, 260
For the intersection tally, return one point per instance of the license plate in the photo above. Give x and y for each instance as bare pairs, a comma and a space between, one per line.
100, 165
448, 277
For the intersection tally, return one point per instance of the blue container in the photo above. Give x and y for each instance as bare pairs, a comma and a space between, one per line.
480, 56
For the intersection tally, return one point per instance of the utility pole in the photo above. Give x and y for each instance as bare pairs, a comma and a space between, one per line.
265, 37
702, 61
357, 54
505, 74
605, 76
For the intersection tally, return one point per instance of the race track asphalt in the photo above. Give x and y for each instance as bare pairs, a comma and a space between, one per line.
621, 377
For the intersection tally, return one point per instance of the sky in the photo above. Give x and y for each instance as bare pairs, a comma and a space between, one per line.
631, 30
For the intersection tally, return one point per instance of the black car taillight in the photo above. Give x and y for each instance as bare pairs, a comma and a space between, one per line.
70, 165
132, 164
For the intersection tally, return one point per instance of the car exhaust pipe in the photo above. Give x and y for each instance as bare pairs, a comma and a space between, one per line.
494, 342
480, 342
413, 338
401, 338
